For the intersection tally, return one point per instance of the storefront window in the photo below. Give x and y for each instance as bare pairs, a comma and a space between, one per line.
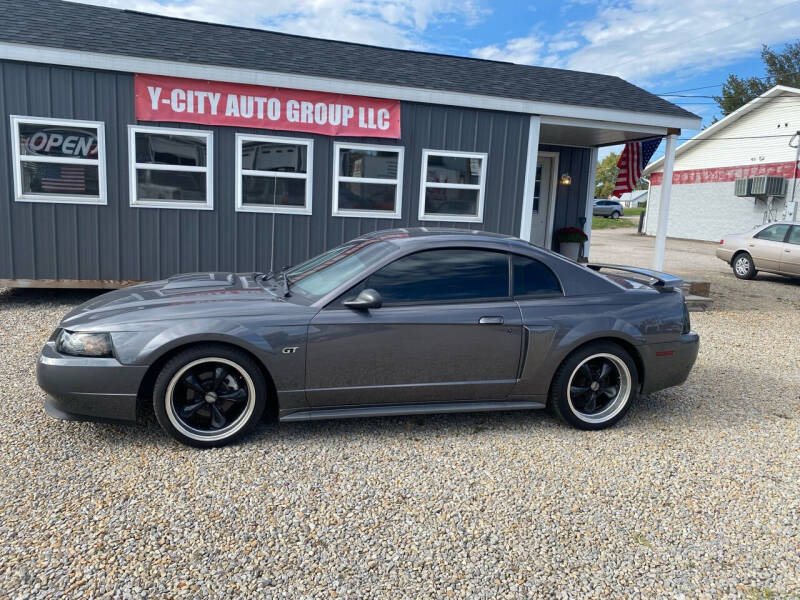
273, 174
58, 160
368, 181
452, 187
171, 168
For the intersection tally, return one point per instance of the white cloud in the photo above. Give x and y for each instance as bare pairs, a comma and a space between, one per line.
523, 50
643, 40
646, 38
394, 23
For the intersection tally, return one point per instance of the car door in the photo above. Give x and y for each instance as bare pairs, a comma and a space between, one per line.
448, 330
766, 247
790, 260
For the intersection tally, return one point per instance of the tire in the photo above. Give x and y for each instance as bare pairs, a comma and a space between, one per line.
615, 215
233, 401
743, 267
575, 408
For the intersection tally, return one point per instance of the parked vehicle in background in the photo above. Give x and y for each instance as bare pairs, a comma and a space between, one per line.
405, 321
772, 248
608, 208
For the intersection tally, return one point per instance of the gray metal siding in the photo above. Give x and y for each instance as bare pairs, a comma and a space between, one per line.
570, 199
118, 242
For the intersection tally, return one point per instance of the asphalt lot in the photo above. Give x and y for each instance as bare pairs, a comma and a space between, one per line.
695, 494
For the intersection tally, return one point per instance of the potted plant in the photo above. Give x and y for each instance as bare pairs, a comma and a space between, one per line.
570, 240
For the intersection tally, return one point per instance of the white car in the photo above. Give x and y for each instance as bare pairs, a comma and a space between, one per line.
772, 248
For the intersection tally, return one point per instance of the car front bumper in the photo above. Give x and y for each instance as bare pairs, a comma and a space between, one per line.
88, 389
669, 364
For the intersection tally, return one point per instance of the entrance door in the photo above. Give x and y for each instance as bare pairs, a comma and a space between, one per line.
546, 165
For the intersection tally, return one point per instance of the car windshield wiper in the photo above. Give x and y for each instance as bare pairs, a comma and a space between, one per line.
259, 276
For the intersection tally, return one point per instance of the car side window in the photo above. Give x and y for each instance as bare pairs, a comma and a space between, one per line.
774, 233
794, 235
446, 275
532, 278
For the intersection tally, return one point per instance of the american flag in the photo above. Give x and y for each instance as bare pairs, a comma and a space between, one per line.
634, 158
61, 179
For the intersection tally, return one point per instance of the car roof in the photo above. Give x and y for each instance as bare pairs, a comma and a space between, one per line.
401, 235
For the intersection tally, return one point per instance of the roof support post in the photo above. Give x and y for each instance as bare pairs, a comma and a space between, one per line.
529, 189
663, 205
590, 189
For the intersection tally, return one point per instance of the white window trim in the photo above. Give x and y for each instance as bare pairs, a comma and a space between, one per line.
208, 169
308, 175
423, 185
398, 183
19, 196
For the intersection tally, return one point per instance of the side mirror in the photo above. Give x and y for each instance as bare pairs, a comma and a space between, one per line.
367, 299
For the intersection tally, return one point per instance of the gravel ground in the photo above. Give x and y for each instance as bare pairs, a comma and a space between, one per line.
696, 494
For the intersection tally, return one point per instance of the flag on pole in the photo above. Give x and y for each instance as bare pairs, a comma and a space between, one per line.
632, 162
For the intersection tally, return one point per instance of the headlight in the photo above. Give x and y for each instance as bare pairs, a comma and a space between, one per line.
84, 344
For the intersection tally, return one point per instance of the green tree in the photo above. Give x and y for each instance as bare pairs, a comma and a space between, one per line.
606, 175
782, 68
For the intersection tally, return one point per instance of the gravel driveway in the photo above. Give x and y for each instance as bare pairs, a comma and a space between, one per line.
696, 494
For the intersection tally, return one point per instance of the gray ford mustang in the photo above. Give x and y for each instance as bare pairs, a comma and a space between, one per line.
405, 321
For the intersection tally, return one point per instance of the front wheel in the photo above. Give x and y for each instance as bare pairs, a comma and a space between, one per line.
615, 215
743, 267
595, 386
209, 395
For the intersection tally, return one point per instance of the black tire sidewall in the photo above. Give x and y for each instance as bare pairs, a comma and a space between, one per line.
174, 364
615, 215
558, 400
751, 271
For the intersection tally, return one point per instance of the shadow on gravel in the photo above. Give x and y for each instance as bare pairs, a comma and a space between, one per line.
34, 297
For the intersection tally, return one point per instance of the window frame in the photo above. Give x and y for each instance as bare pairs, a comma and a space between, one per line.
19, 196
241, 138
133, 166
424, 185
397, 182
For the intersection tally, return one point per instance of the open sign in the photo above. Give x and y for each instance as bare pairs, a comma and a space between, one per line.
58, 141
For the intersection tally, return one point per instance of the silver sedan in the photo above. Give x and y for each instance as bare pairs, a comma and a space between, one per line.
772, 248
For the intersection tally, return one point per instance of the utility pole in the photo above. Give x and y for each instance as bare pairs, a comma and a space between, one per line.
796, 140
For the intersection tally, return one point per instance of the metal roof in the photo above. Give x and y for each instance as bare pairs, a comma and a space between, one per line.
82, 27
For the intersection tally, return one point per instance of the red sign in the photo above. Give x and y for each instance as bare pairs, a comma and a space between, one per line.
241, 105
721, 174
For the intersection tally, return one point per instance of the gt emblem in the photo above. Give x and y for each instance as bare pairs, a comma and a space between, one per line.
290, 350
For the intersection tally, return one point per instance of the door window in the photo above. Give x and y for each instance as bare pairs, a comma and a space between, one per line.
447, 275
532, 278
794, 235
774, 233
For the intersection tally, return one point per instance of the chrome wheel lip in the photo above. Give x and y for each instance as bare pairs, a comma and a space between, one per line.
620, 400
742, 265
227, 431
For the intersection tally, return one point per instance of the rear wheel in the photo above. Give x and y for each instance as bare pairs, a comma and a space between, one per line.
615, 215
209, 395
743, 266
594, 387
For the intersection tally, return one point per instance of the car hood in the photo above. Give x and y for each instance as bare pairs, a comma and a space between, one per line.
192, 295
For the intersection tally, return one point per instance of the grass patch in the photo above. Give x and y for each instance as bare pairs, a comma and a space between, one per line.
642, 540
635, 211
603, 223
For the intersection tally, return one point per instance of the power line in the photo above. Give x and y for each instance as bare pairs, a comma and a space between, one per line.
706, 87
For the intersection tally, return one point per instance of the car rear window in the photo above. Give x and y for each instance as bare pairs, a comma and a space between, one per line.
532, 278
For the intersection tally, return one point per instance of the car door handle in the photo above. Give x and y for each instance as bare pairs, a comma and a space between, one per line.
787, 250
491, 320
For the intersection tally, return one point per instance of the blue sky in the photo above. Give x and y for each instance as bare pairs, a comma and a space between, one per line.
660, 46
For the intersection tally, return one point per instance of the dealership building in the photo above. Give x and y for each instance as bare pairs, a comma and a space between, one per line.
134, 147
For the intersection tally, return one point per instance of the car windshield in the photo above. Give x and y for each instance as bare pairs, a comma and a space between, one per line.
325, 272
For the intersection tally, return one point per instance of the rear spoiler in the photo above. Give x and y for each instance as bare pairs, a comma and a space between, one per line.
664, 282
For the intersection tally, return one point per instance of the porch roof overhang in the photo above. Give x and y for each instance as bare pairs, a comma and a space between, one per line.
589, 133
